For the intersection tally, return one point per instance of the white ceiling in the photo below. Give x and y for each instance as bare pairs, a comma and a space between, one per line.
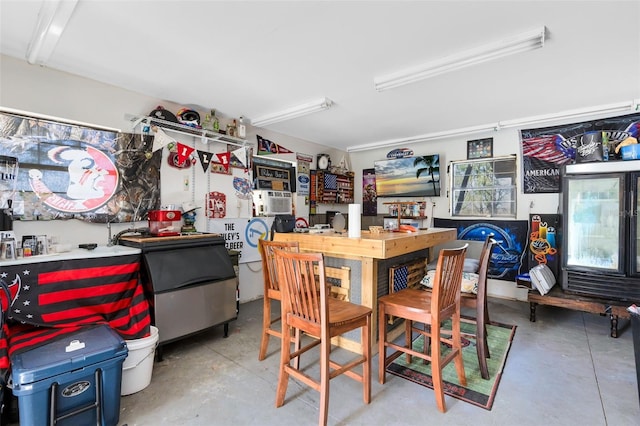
253, 58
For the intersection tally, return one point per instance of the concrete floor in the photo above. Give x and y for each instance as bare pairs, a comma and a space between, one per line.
564, 369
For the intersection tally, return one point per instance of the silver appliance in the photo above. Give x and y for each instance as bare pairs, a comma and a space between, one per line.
190, 282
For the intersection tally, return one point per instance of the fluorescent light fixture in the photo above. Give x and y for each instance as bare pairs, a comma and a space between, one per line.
52, 20
520, 43
630, 106
426, 137
295, 112
570, 114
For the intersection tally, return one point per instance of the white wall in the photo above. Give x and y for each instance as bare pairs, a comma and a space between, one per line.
44, 91
505, 142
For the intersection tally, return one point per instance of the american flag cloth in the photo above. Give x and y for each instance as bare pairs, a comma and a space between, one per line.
52, 299
400, 278
330, 181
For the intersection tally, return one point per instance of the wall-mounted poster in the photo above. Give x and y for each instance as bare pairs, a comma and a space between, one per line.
273, 174
304, 180
544, 242
509, 253
546, 150
70, 171
480, 148
369, 197
408, 176
216, 203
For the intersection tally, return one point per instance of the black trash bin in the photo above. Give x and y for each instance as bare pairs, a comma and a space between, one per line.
635, 328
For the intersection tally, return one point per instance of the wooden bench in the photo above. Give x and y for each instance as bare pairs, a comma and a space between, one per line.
557, 297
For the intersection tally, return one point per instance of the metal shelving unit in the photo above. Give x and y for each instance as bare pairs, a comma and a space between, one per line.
204, 134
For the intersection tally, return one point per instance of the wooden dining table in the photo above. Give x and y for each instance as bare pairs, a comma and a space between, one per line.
369, 258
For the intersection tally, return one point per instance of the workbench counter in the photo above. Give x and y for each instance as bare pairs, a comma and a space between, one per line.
369, 258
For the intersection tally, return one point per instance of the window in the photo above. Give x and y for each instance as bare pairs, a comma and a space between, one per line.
484, 187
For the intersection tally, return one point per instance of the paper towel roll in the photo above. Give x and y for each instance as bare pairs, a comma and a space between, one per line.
354, 220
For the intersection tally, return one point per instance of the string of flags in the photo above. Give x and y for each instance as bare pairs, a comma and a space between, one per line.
184, 152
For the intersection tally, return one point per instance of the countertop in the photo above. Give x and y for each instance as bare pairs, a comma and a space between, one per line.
76, 253
150, 239
383, 245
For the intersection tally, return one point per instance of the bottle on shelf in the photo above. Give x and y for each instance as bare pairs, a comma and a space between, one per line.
216, 122
242, 128
207, 124
231, 128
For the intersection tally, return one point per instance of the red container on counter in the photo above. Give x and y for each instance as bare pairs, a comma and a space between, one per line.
165, 223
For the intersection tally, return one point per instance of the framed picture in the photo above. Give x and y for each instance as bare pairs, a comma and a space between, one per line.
480, 148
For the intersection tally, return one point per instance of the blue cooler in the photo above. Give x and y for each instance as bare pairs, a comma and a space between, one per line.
75, 379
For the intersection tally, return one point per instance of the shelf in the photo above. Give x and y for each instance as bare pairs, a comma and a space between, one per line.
343, 192
400, 208
209, 135
407, 217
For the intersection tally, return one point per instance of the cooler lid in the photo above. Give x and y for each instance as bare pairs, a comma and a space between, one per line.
85, 347
182, 266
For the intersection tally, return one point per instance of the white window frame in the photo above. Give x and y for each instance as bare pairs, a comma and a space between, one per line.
477, 190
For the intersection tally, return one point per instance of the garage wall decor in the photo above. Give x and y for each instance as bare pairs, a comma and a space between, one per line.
509, 257
70, 171
545, 150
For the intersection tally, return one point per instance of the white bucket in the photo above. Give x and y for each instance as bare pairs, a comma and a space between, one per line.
138, 365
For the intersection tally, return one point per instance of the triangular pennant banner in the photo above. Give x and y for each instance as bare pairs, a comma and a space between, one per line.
184, 151
161, 139
224, 160
205, 159
241, 155
265, 147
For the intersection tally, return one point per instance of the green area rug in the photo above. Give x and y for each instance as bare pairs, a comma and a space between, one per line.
478, 391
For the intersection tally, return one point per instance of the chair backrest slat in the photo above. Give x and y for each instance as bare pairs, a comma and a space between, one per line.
483, 270
306, 289
448, 279
269, 270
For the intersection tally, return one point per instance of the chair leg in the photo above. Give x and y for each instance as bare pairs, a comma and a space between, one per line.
365, 338
382, 339
296, 345
482, 348
283, 375
325, 370
436, 368
457, 347
408, 334
266, 323
426, 344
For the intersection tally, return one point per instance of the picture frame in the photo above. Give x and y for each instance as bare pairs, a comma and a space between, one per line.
480, 148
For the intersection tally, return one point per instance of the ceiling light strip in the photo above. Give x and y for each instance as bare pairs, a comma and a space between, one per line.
631, 106
52, 20
570, 114
520, 43
295, 112
425, 137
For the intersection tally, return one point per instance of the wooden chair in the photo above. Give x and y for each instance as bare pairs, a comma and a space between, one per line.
478, 303
308, 307
272, 293
431, 309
